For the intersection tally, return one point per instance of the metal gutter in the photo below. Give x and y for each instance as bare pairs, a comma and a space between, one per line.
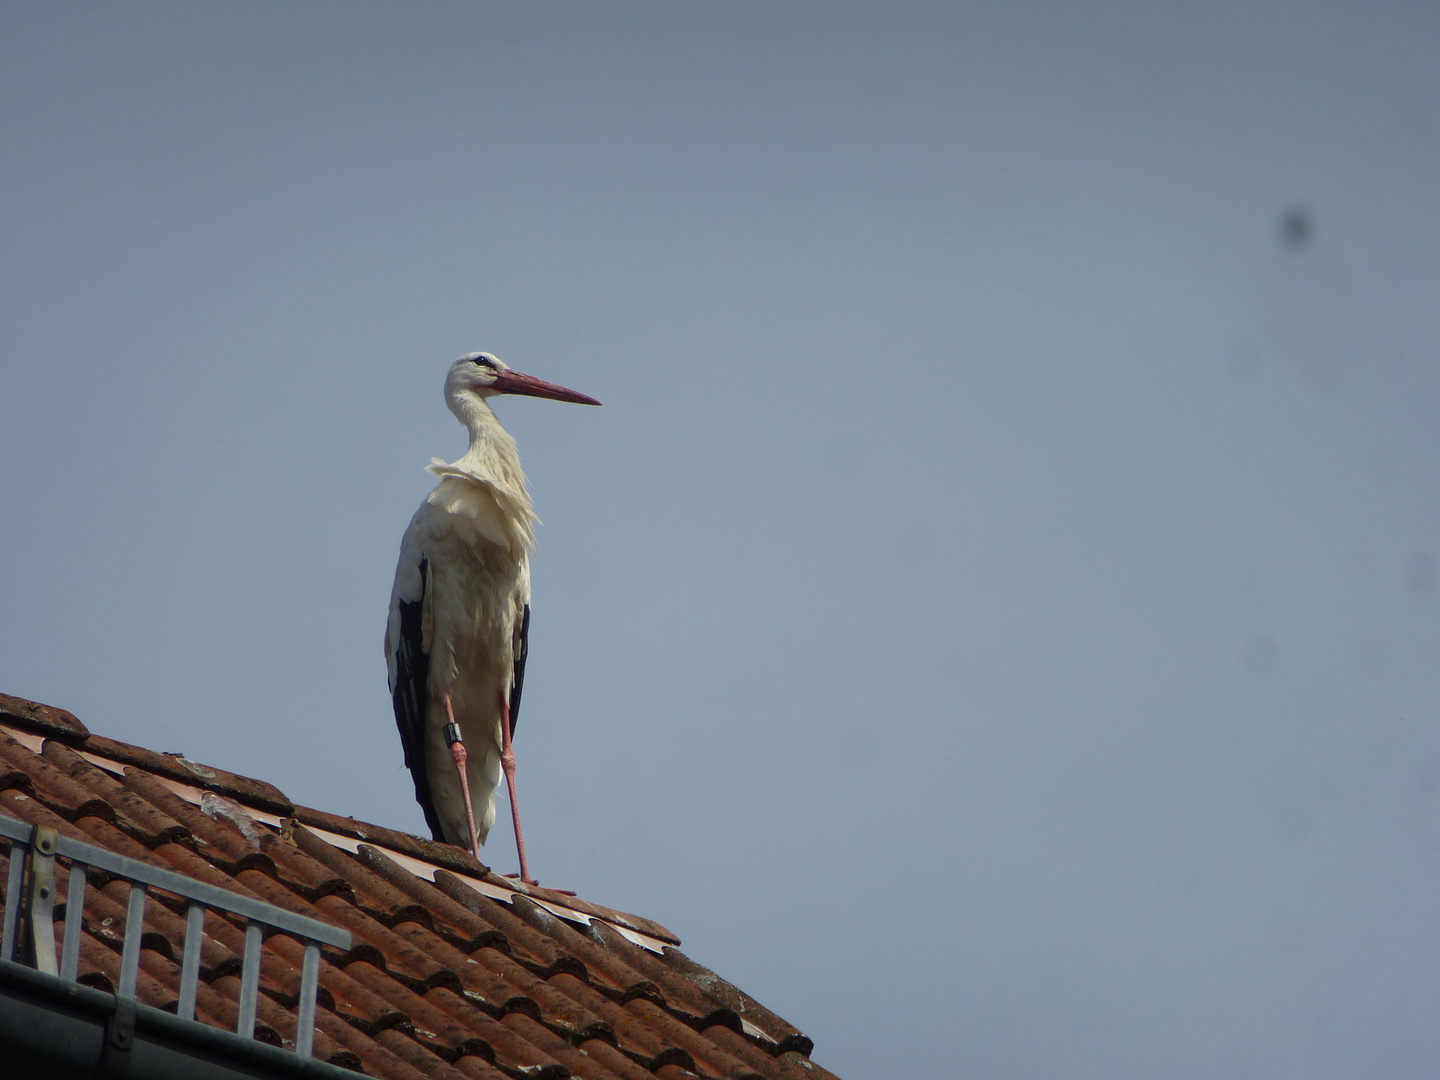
52, 1029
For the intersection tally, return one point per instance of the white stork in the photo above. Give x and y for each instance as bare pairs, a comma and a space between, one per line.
458, 633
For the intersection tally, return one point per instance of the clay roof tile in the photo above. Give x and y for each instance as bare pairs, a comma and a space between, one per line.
453, 971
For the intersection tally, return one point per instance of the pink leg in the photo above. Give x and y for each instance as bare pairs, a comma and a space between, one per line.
458, 755
507, 762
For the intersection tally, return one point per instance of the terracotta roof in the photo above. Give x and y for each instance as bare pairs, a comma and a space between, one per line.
453, 972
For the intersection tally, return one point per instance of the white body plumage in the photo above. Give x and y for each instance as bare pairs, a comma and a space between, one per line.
474, 541
459, 606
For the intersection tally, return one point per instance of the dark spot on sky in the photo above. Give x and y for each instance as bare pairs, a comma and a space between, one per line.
1297, 228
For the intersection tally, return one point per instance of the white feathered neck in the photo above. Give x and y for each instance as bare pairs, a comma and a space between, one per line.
493, 462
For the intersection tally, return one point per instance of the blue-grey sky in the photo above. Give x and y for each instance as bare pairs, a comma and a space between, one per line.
993, 619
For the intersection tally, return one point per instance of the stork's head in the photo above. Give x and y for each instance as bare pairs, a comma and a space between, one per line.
484, 376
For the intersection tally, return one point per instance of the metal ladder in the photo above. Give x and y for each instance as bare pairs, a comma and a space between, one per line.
30, 907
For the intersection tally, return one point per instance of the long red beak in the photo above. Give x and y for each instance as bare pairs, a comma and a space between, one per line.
513, 382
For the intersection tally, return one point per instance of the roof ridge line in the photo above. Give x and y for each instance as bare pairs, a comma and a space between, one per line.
491, 884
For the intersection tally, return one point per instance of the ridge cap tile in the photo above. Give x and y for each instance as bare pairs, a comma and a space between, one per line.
456, 860
45, 719
406, 843
244, 789
638, 923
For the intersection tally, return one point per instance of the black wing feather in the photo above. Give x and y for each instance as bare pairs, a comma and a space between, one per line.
522, 653
412, 676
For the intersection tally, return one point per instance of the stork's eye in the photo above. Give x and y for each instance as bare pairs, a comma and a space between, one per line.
484, 361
